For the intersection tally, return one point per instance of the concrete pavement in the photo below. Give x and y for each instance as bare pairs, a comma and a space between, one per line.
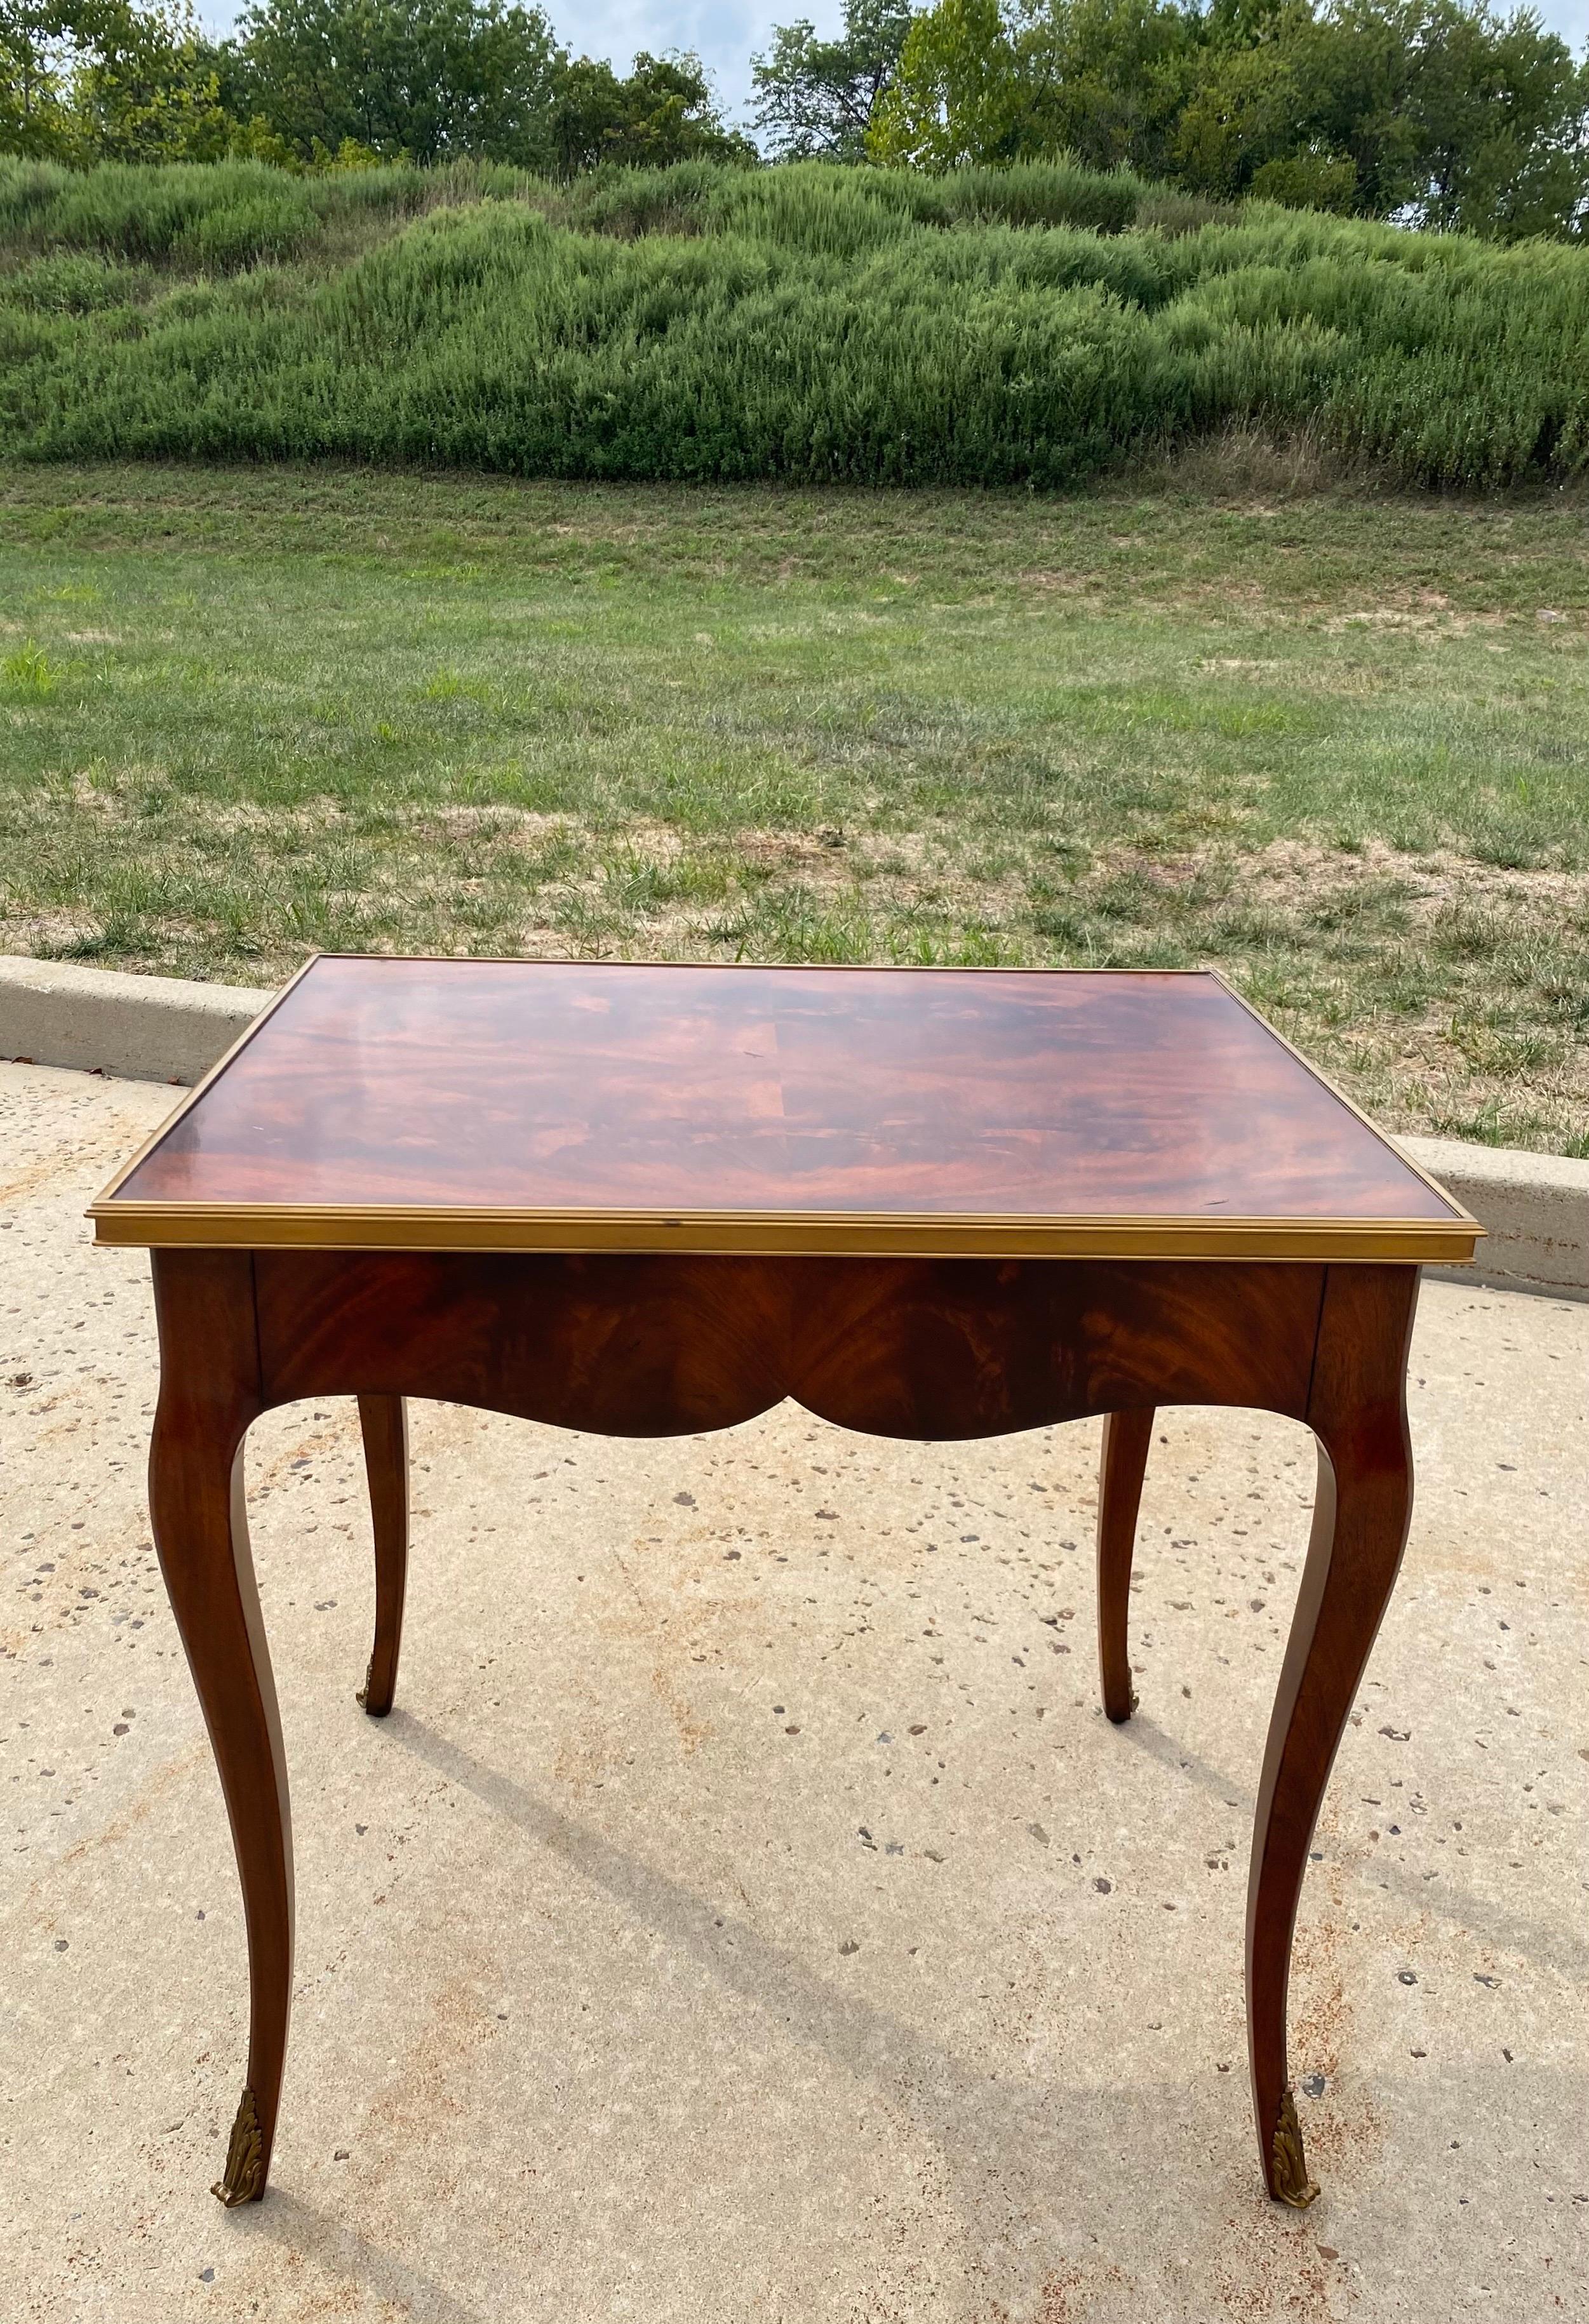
747, 1911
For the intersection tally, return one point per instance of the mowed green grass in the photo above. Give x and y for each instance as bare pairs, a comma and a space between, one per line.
1337, 746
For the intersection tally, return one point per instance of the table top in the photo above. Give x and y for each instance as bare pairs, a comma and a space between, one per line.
575, 1105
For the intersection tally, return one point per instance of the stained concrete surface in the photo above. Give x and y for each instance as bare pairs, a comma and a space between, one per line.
747, 1911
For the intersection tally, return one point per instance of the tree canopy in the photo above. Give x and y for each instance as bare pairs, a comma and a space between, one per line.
328, 83
1438, 113
428, 79
663, 113
816, 99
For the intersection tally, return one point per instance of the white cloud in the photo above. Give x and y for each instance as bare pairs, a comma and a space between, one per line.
724, 34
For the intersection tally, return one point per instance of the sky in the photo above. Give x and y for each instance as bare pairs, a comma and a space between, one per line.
726, 33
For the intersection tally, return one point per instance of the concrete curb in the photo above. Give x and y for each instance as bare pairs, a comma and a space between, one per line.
1534, 1207
143, 1029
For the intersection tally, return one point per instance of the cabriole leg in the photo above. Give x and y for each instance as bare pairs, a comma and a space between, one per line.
1120, 1469
384, 1420
209, 1392
1357, 1410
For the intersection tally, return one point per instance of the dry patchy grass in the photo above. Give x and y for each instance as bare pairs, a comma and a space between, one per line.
1333, 744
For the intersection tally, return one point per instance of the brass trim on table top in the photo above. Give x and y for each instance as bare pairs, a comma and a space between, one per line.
307, 1226
1336, 1092
304, 1226
190, 1097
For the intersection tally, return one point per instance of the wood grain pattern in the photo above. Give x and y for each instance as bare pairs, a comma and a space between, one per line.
644, 1345
641, 1345
604, 1090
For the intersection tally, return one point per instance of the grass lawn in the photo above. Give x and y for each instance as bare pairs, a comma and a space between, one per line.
1337, 745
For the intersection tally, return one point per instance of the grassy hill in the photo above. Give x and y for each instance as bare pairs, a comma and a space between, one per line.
1031, 327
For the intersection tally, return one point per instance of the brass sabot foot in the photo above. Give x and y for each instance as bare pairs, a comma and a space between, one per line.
374, 1709
244, 2179
1292, 2184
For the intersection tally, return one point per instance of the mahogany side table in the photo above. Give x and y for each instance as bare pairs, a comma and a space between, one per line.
928, 1204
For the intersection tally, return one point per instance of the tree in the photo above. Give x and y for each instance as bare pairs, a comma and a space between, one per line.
1256, 103
665, 112
1107, 79
85, 80
1475, 122
1438, 112
958, 96
816, 99
148, 88
1432, 110
429, 79
35, 70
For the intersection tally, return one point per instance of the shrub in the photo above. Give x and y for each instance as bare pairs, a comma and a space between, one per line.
267, 224
1033, 326
68, 284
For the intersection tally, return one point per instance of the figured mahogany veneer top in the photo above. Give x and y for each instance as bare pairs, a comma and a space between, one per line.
562, 1105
